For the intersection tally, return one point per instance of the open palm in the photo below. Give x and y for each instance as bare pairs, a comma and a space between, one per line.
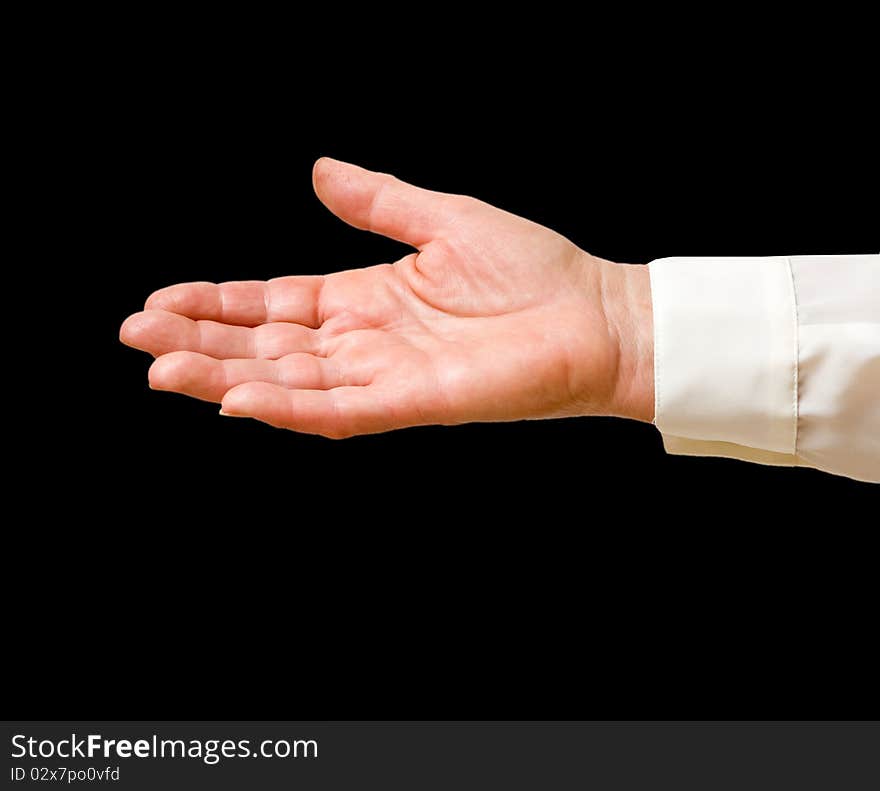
495, 318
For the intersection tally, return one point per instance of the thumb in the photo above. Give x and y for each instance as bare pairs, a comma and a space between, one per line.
381, 203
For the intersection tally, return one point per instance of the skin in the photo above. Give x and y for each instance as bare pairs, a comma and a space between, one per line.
494, 318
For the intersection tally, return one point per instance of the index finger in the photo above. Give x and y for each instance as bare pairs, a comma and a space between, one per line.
245, 302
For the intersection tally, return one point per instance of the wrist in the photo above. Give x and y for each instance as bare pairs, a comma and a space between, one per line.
626, 298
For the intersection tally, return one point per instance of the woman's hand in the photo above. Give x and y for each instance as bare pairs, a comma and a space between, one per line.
494, 318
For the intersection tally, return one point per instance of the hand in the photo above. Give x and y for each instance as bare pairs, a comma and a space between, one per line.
495, 318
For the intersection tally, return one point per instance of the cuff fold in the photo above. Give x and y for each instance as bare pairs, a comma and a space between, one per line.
725, 356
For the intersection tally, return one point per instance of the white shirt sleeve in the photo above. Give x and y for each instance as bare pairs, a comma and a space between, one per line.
772, 360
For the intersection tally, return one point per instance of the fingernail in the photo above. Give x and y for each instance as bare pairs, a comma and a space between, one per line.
229, 414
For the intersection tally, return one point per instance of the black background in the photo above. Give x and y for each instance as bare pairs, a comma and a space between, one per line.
183, 564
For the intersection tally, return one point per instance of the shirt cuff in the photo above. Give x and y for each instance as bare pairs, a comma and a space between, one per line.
725, 357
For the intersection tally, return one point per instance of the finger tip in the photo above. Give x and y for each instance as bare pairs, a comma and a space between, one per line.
126, 331
240, 400
320, 171
157, 300
230, 407
170, 370
234, 400
132, 330
170, 299
157, 376
322, 163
